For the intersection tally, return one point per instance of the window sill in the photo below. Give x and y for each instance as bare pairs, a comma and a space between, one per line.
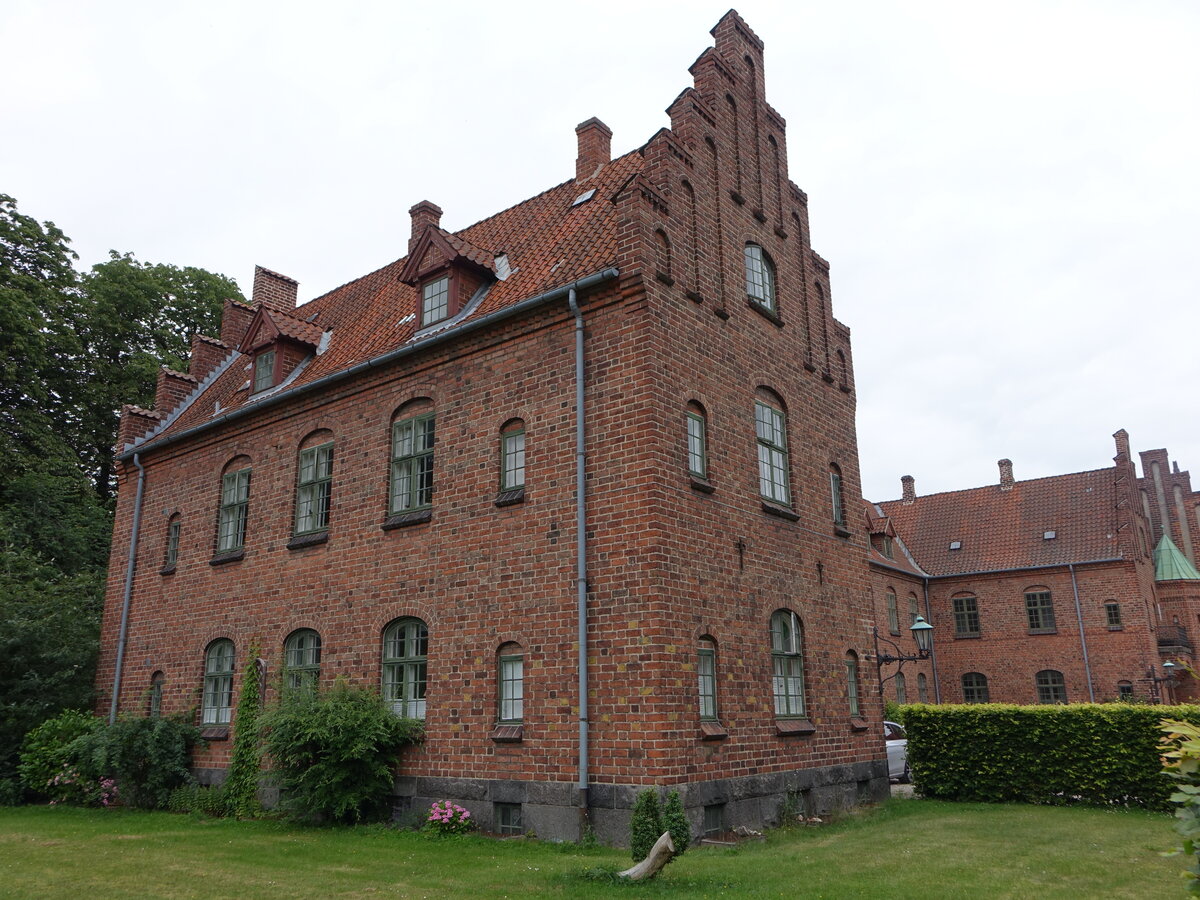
809, 367
713, 731
769, 314
694, 296
844, 388
827, 378
841, 530
703, 485
737, 198
170, 570
232, 556
858, 723
665, 278
967, 637
1110, 627
215, 732
1043, 631
779, 232
308, 540
509, 498
789, 727
760, 216
403, 520
781, 511
507, 734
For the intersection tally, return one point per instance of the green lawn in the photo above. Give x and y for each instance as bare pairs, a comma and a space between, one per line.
909, 848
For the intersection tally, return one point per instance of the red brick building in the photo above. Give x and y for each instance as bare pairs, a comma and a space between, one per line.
621, 410
1068, 588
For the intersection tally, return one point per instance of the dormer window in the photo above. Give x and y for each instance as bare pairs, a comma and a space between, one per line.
264, 370
435, 300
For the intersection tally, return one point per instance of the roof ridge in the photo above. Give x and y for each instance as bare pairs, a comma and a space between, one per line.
997, 485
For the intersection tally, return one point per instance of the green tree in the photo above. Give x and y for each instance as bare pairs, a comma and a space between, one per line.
675, 821
645, 825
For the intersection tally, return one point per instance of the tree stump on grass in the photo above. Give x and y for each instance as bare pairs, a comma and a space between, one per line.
660, 854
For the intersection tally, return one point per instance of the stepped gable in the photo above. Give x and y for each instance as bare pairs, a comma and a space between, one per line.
548, 241
1004, 529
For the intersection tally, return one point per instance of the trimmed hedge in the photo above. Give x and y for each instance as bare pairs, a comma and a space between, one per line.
1095, 754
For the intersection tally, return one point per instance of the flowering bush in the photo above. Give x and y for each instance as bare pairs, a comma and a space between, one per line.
449, 818
68, 786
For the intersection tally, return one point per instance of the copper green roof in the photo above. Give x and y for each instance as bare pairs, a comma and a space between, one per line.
1171, 565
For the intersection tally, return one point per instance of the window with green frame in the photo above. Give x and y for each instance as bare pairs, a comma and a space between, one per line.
893, 615
914, 610
217, 705
835, 491
231, 520
157, 680
1051, 687
706, 669
264, 370
771, 429
697, 440
760, 277
435, 300
975, 688
901, 688
512, 456
171, 555
922, 688
852, 683
405, 653
966, 616
1039, 608
302, 660
412, 463
512, 684
314, 483
787, 664
1112, 615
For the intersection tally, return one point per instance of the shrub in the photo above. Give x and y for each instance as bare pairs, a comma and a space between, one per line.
676, 822
196, 798
147, 757
449, 818
12, 792
241, 785
334, 752
1099, 754
1181, 762
46, 754
645, 826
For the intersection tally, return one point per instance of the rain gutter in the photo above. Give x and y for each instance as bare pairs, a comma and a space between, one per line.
581, 563
130, 566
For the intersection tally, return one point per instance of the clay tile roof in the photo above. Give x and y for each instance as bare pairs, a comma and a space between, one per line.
1000, 530
549, 244
294, 327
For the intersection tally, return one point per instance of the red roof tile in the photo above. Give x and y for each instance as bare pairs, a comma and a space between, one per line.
548, 241
1006, 529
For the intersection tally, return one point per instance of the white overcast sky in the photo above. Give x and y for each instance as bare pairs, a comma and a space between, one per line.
1008, 193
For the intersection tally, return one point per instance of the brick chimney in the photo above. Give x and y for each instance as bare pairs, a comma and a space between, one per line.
1122, 441
274, 290
595, 148
423, 215
1006, 476
908, 486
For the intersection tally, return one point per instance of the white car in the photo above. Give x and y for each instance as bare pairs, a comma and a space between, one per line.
897, 752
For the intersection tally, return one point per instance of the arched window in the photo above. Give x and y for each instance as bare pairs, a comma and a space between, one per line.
901, 688
835, 491
893, 614
770, 424
760, 277
697, 440
171, 550
412, 459
787, 648
966, 616
1051, 688
852, 683
405, 648
235, 502
975, 688
511, 666
922, 688
314, 484
706, 668
512, 455
1039, 609
662, 256
1125, 691
157, 680
914, 610
302, 660
218, 683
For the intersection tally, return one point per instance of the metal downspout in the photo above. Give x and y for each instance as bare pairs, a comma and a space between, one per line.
581, 564
129, 569
937, 683
1087, 666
